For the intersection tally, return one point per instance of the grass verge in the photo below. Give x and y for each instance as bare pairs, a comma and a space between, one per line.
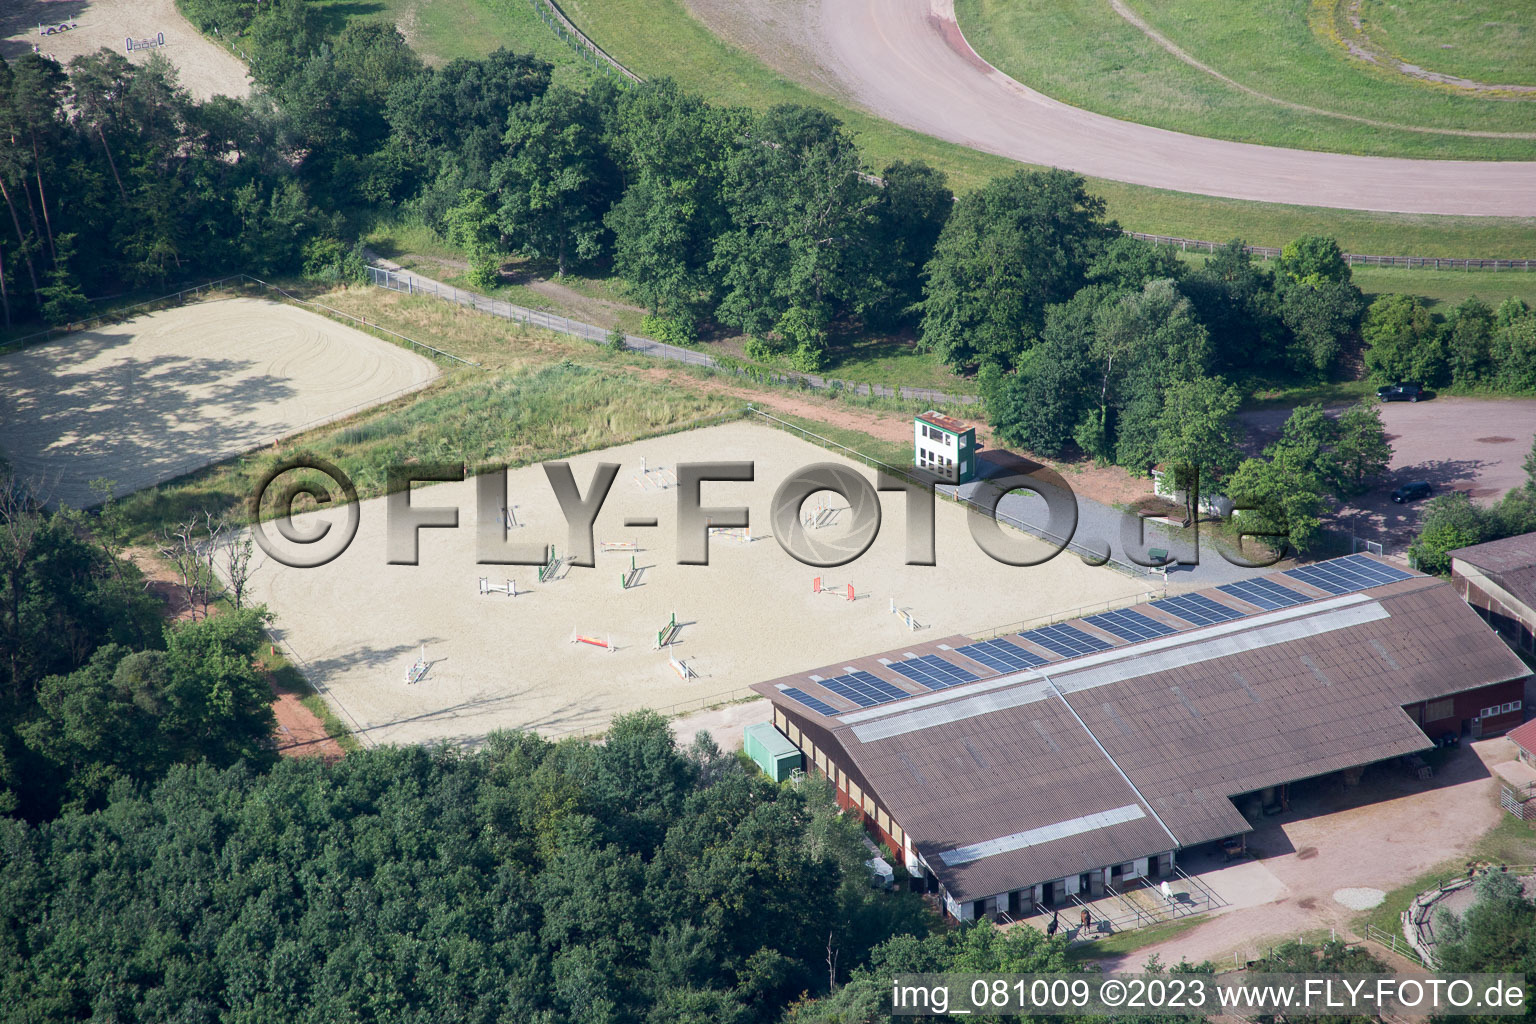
660, 37
443, 31
1121, 943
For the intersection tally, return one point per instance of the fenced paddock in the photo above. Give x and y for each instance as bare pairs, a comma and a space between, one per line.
150, 398
357, 624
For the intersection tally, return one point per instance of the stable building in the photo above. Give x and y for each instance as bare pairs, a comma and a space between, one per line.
1021, 770
1499, 580
944, 446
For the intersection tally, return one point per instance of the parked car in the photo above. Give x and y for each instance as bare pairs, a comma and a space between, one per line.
1402, 391
1412, 492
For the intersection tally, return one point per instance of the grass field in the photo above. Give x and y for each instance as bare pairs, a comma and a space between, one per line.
535, 397
441, 30
659, 37
1484, 40
1088, 55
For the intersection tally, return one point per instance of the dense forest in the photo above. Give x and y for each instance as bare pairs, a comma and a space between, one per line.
530, 881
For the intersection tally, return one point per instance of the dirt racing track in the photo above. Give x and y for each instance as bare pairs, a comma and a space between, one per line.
907, 61
160, 395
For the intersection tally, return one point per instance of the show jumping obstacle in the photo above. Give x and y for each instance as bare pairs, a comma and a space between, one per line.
509, 588
632, 578
547, 571
593, 641
905, 616
661, 477
831, 588
418, 671
668, 633
684, 672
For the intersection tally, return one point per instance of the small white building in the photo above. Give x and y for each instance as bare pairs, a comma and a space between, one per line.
944, 446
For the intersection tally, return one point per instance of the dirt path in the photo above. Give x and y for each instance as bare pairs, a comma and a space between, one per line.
908, 62
1383, 834
204, 67
1111, 485
300, 732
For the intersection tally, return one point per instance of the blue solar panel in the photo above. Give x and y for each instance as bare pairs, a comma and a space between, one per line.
1129, 625
1264, 593
1348, 574
821, 707
864, 688
1067, 641
1000, 655
933, 672
1197, 608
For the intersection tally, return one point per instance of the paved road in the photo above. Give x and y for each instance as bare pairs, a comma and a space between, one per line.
1103, 528
907, 61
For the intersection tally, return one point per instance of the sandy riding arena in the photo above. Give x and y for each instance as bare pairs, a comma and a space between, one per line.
163, 394
85, 26
358, 625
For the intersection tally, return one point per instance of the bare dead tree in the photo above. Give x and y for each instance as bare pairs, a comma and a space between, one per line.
235, 550
20, 525
189, 547
831, 965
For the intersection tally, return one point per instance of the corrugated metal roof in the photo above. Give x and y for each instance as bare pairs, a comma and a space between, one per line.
1174, 726
1043, 834
1504, 555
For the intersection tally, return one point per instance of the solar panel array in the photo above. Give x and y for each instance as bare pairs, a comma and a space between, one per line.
1264, 593
1129, 625
1067, 641
866, 690
1347, 575
817, 705
933, 672
1001, 655
863, 688
1197, 608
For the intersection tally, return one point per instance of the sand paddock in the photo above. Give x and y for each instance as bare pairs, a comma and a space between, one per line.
356, 624
163, 394
203, 67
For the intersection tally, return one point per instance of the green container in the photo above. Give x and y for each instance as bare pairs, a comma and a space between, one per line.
772, 751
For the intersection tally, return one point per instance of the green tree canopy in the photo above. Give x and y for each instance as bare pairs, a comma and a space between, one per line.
1403, 342
557, 180
1009, 250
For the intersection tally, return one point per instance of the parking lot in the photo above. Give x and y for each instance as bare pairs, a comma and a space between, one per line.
1477, 445
1381, 834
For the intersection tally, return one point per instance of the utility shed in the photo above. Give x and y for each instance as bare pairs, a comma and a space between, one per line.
772, 751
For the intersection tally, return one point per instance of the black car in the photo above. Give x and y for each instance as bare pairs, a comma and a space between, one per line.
1402, 391
1412, 492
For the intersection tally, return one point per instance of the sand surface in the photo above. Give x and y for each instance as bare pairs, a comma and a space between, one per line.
204, 67
357, 624
160, 395
907, 61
